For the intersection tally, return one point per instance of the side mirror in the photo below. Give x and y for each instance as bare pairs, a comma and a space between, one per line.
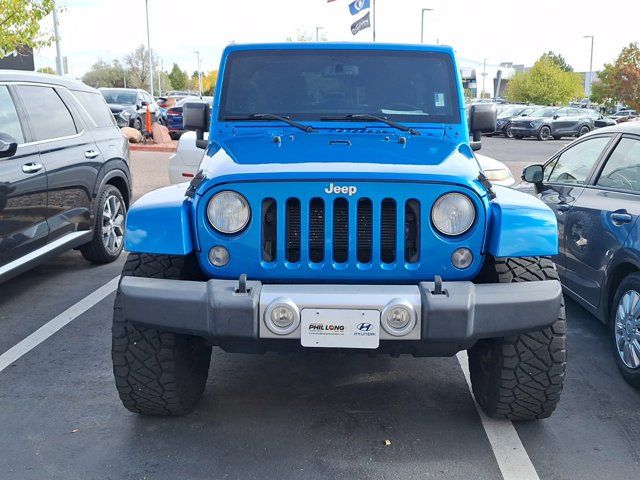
555, 117
8, 145
482, 119
196, 116
533, 174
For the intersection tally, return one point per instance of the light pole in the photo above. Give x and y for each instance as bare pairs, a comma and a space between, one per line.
197, 52
160, 70
146, 4
422, 22
590, 79
56, 33
318, 33
484, 77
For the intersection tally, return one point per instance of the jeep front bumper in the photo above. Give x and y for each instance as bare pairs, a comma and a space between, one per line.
453, 319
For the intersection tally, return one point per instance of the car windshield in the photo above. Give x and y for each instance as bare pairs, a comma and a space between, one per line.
544, 112
417, 87
118, 97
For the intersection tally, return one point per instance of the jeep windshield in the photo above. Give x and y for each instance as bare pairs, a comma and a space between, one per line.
314, 85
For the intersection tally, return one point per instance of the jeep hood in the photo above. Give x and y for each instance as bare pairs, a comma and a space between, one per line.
332, 156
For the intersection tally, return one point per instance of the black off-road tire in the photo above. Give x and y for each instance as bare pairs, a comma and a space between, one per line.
95, 251
156, 372
520, 377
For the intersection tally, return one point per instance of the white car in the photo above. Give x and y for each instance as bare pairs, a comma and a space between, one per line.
496, 171
184, 164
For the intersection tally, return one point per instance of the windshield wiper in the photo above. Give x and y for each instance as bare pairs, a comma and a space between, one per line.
270, 116
368, 116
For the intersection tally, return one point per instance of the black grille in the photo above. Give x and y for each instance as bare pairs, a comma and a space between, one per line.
340, 230
388, 231
367, 239
365, 230
293, 230
316, 230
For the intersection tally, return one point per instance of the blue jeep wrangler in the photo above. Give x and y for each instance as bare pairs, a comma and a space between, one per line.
340, 208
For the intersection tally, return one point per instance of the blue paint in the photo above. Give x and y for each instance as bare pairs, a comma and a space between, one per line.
271, 160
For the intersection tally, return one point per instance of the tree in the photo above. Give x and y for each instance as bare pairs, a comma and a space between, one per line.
558, 60
619, 82
103, 74
137, 65
48, 70
209, 82
20, 24
545, 84
179, 78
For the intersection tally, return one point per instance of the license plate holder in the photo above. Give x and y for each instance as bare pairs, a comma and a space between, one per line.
338, 328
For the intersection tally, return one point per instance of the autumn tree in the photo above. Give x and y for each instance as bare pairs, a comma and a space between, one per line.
209, 82
619, 82
558, 60
545, 84
20, 24
48, 70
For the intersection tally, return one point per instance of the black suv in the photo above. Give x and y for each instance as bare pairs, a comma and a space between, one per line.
553, 122
129, 106
64, 174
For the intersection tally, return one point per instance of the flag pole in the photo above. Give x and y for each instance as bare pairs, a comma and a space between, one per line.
374, 19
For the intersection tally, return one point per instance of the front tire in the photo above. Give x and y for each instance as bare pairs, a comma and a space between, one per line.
520, 377
625, 328
507, 131
544, 134
583, 131
108, 235
156, 372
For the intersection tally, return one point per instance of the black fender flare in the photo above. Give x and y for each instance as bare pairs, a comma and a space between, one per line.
114, 168
623, 256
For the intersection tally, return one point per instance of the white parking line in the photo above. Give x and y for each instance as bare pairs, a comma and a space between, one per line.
52, 326
512, 458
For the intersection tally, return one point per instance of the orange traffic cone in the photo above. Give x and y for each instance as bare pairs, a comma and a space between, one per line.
148, 122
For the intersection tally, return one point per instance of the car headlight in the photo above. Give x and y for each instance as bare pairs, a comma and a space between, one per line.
125, 115
228, 212
498, 175
535, 124
453, 214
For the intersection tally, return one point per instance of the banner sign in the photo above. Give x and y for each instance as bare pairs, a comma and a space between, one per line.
358, 5
359, 25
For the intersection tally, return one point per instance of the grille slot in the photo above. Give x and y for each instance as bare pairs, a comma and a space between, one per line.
340, 230
316, 230
412, 231
293, 230
365, 230
388, 231
269, 229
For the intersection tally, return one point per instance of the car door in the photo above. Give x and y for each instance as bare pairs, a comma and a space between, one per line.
68, 153
23, 186
602, 218
561, 122
573, 123
565, 176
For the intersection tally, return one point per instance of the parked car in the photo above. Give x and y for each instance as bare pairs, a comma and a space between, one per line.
185, 163
326, 219
65, 181
553, 122
129, 106
503, 125
593, 186
165, 103
599, 120
174, 115
622, 116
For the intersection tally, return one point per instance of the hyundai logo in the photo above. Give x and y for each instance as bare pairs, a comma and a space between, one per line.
364, 327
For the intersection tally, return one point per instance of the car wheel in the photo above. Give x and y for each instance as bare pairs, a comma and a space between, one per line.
157, 372
137, 124
625, 328
108, 236
583, 130
544, 133
507, 131
520, 377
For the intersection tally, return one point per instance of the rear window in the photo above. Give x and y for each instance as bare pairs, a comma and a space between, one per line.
96, 107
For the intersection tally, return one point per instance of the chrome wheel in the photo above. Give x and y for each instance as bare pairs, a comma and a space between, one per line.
112, 224
627, 329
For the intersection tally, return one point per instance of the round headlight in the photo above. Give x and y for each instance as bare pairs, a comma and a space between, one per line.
453, 214
228, 212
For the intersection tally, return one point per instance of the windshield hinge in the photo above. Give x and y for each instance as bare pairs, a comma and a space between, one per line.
195, 182
487, 185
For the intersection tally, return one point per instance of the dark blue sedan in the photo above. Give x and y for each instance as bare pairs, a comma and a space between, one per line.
174, 115
593, 186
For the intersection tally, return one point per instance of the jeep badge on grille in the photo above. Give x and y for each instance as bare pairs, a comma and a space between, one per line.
344, 189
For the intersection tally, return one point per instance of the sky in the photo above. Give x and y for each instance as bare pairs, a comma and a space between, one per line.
496, 30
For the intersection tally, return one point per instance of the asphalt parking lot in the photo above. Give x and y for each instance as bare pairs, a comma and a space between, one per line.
289, 417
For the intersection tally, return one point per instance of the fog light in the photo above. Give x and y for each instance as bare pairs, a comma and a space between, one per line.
282, 316
462, 258
219, 256
398, 317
